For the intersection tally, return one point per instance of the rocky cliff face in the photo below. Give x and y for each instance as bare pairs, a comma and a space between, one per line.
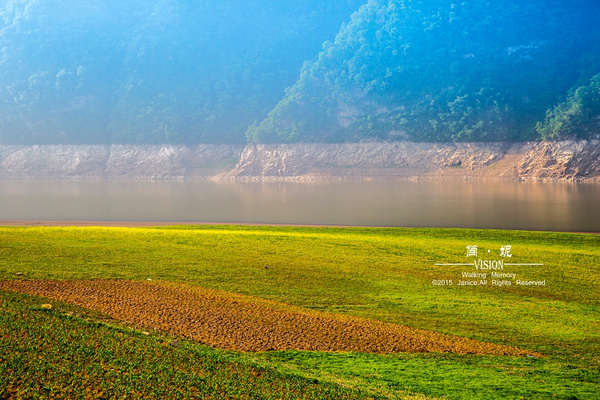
549, 161
567, 160
556, 161
117, 161
302, 159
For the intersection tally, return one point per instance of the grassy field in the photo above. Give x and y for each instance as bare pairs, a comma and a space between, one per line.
385, 274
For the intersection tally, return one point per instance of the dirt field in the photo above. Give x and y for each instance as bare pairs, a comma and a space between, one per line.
237, 322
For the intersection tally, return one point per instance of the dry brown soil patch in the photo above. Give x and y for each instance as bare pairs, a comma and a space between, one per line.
238, 322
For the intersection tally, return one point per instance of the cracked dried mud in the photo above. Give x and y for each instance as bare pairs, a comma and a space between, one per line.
244, 323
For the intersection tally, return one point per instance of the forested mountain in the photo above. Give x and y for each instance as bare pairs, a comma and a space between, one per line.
443, 70
152, 71
182, 71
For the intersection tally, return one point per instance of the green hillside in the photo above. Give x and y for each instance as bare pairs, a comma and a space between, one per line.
160, 71
182, 71
442, 70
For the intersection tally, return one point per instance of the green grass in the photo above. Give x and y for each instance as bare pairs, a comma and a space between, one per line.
65, 353
384, 274
458, 376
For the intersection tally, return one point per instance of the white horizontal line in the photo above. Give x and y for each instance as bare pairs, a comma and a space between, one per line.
521, 264
455, 264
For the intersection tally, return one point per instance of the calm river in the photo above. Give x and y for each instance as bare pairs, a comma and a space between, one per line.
501, 205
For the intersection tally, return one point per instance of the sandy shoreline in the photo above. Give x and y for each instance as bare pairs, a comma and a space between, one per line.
135, 224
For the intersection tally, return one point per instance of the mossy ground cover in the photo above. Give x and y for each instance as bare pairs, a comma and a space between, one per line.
385, 274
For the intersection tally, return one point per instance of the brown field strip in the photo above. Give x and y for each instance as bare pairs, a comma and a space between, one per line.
238, 322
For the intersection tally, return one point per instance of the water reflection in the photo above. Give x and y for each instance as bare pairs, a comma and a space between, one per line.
501, 205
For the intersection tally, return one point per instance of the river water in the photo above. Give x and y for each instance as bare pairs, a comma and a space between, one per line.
499, 205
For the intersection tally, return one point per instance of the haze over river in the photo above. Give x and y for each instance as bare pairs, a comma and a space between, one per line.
498, 205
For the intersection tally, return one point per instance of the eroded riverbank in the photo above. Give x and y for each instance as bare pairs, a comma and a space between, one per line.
565, 161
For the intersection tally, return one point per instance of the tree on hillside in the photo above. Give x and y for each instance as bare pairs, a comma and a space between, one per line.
577, 117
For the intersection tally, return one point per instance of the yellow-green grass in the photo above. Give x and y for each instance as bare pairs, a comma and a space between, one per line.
384, 274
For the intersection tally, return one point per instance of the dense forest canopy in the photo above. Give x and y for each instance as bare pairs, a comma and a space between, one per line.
78, 71
182, 71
